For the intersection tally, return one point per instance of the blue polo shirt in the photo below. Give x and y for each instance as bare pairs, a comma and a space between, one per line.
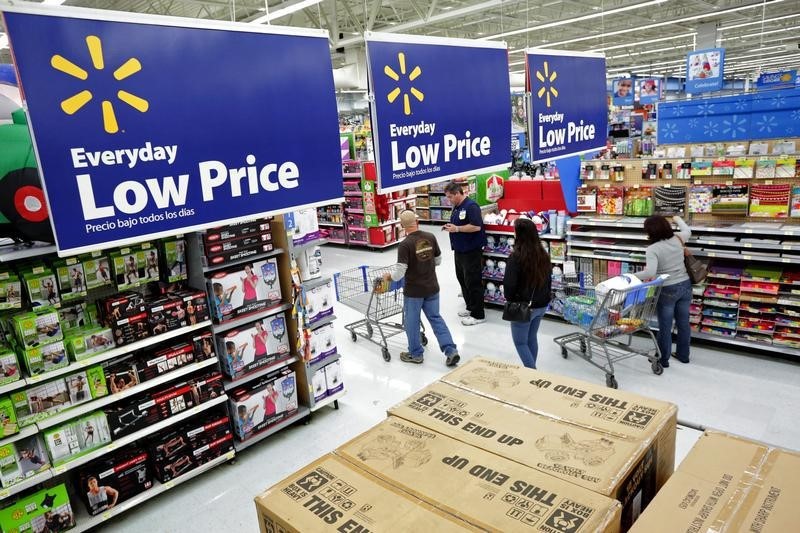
469, 212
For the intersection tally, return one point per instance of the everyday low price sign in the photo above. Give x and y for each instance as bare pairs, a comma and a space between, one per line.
440, 108
148, 126
569, 112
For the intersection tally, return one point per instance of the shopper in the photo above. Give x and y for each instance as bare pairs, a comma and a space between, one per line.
467, 238
527, 280
665, 257
417, 258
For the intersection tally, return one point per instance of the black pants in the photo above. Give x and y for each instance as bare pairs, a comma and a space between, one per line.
468, 273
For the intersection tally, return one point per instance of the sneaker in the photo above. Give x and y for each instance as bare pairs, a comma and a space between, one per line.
452, 359
408, 358
472, 321
465, 313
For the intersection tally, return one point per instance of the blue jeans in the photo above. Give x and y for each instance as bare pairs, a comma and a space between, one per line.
412, 309
673, 305
524, 336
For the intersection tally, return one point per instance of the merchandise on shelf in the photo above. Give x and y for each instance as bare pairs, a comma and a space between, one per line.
173, 260
166, 314
46, 357
8, 418
10, 291
264, 402
40, 401
48, 509
319, 386
669, 201
9, 365
318, 302
87, 341
770, 201
320, 343
121, 373
22, 459
237, 293
254, 346
130, 329
71, 278
309, 263
333, 377
730, 199
42, 287
77, 437
587, 200
97, 270
701, 198
233, 231
114, 479
86, 385
123, 305
77, 315
195, 305
231, 256
35, 329
150, 366
610, 200
744, 169
638, 201
128, 266
203, 345
302, 226
766, 168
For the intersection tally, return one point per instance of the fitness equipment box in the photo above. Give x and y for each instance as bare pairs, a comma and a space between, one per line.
321, 343
87, 341
151, 263
71, 278
86, 385
166, 360
302, 225
123, 305
318, 302
319, 386
97, 269
728, 483
8, 418
330, 494
173, 255
42, 287
45, 510
45, 358
122, 373
131, 329
195, 304
9, 365
22, 459
77, 315
610, 463
77, 437
10, 291
260, 344
237, 255
203, 345
233, 231
34, 329
142, 411
259, 281
113, 479
488, 491
166, 314
220, 248
333, 378
267, 401
189, 436
40, 401
128, 268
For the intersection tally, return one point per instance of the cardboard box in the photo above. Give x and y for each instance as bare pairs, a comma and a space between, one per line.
77, 315
620, 413
45, 510
302, 225
319, 386
318, 302
85, 385
9, 365
166, 360
42, 287
728, 483
220, 248
479, 487
77, 437
233, 231
238, 255
112, 480
122, 305
131, 329
86, 342
40, 401
195, 304
264, 402
45, 358
97, 269
166, 314
8, 418
34, 329
203, 345
10, 291
619, 467
175, 452
255, 346
321, 343
151, 263
333, 377
237, 293
329, 495
122, 373
71, 278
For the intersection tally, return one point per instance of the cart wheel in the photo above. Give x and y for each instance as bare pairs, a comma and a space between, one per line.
564, 352
611, 381
658, 369
369, 330
353, 336
386, 355
583, 347
423, 339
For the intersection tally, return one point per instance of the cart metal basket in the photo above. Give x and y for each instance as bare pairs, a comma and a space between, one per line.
608, 321
365, 290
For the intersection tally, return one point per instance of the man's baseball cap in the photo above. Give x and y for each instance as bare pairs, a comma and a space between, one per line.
408, 218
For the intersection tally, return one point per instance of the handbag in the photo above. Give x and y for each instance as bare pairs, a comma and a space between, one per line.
518, 311
696, 269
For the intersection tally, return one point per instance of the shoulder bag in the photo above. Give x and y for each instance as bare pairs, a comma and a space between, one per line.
696, 269
518, 311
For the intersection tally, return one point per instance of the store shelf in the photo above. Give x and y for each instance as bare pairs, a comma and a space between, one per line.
9, 251
787, 231
492, 302
551, 237
496, 254
11, 387
436, 193
356, 228
617, 222
336, 241
319, 323
32, 481
249, 259
85, 522
490, 278
302, 412
116, 352
328, 400
315, 367
276, 365
607, 257
331, 224
24, 433
448, 207
743, 257
793, 352
409, 197
352, 193
609, 235
88, 407
388, 223
316, 242
238, 322
354, 210
352, 175
584, 244
423, 207
317, 282
133, 437
382, 246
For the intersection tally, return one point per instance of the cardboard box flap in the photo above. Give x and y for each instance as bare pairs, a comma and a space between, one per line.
592, 405
482, 488
330, 495
586, 457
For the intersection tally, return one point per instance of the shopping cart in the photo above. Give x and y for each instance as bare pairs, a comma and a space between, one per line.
609, 319
365, 290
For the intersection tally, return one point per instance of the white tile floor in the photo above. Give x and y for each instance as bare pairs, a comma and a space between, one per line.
751, 395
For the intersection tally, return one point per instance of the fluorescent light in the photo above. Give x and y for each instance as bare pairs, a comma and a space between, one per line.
640, 43
575, 19
743, 24
653, 51
52, 2
284, 11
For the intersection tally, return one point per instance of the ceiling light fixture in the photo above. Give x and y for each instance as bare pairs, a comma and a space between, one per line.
640, 43
285, 9
743, 24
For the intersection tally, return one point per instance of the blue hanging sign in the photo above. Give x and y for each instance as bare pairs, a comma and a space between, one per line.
440, 108
148, 126
569, 110
649, 90
775, 80
623, 92
704, 70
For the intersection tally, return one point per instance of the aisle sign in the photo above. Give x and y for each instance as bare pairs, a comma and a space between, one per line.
776, 80
569, 110
623, 94
704, 70
148, 126
440, 108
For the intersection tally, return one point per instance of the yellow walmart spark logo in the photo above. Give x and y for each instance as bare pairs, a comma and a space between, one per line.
547, 78
416, 73
74, 103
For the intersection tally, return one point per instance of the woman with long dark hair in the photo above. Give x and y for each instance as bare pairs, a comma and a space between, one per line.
527, 279
665, 257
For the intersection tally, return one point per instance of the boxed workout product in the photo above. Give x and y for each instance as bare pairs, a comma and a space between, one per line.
238, 255
195, 304
77, 437
173, 256
321, 343
34, 329
260, 404
40, 401
189, 459
319, 385
10, 472
131, 329
333, 378
728, 483
318, 302
10, 291
9, 365
22, 459
42, 287
163, 361
86, 385
260, 344
151, 263
331, 494
207, 387
71, 278
233, 231
114, 479
121, 306
488, 491
211, 250
203, 346
47, 510
85, 342
253, 288
8, 418
610, 463
77, 315
147, 409
189, 436
128, 266
166, 314
45, 358
122, 373
302, 225
97, 269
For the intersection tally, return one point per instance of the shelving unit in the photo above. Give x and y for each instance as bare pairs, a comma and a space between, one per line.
302, 412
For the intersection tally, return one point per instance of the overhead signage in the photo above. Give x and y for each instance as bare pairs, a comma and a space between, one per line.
704, 70
569, 110
649, 90
439, 108
623, 92
148, 126
776, 80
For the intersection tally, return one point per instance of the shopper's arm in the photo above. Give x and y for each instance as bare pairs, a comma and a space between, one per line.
651, 267
398, 271
684, 232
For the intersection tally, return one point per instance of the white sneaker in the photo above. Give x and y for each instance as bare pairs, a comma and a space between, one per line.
463, 314
472, 321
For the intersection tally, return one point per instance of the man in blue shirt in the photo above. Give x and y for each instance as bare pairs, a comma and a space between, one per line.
467, 238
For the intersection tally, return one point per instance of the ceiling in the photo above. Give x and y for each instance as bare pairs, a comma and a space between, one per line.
638, 37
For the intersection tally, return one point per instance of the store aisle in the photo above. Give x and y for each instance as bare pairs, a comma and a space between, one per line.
754, 396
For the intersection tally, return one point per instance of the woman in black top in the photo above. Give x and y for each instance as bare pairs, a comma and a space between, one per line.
527, 279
